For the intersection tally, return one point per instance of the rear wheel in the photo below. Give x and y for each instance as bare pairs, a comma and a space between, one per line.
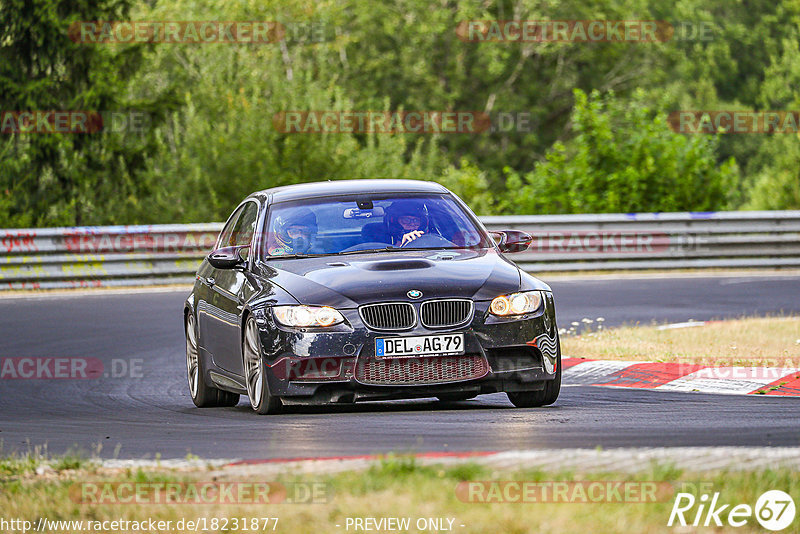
542, 397
255, 372
203, 395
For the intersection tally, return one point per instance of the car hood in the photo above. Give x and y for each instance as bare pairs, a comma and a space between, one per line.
352, 280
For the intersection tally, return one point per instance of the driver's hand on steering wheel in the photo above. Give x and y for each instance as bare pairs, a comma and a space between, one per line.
410, 236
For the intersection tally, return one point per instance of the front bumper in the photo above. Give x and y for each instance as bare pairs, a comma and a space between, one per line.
305, 366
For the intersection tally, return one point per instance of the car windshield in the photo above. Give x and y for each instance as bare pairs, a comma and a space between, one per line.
352, 225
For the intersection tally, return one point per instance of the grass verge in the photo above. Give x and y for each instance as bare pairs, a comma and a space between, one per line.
399, 487
770, 342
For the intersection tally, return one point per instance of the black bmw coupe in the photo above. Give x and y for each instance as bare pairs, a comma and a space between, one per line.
346, 291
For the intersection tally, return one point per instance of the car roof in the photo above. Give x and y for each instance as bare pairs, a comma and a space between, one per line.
348, 187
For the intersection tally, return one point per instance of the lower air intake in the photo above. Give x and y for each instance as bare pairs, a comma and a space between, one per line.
421, 370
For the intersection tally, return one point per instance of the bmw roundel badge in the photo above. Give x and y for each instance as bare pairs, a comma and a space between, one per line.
414, 293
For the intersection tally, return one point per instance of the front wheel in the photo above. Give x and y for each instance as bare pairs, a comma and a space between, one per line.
542, 397
203, 395
255, 373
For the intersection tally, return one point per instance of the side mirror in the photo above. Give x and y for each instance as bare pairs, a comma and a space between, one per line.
514, 241
227, 257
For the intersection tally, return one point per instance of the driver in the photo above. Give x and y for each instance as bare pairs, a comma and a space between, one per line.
407, 220
294, 232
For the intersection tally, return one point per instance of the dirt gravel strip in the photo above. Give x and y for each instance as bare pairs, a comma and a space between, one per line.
769, 381
625, 460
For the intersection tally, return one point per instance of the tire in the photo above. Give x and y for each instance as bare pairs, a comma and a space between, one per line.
203, 395
542, 397
255, 373
454, 397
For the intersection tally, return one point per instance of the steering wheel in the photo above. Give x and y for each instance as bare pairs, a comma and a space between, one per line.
429, 241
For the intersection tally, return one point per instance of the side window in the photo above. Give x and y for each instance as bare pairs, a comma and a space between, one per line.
246, 225
226, 236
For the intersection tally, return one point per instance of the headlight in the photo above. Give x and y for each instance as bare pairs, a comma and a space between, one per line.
300, 316
516, 303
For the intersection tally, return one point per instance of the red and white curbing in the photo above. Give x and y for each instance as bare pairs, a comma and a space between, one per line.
772, 381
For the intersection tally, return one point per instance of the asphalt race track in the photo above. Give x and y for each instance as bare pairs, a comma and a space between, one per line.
151, 413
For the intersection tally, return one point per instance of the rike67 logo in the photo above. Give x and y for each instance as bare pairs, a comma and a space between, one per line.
774, 510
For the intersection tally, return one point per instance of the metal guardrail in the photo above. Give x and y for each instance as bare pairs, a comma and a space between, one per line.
103, 256
735, 239
158, 254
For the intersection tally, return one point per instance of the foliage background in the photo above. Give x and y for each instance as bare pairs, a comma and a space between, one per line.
599, 140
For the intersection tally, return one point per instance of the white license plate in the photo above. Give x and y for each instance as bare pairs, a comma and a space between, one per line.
393, 347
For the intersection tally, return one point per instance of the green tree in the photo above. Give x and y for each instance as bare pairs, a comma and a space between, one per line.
774, 172
63, 179
624, 158
212, 140
223, 144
